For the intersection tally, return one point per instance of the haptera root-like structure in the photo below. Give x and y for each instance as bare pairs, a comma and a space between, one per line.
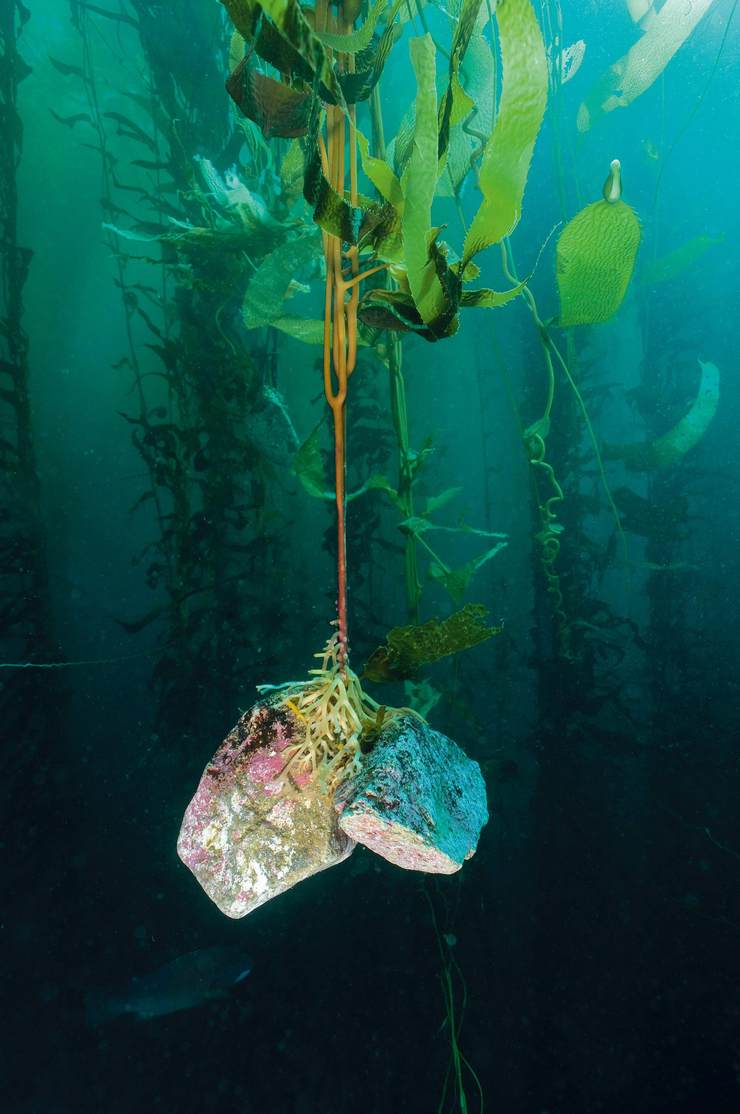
336, 715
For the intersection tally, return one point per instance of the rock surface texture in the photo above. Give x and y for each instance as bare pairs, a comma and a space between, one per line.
244, 836
419, 801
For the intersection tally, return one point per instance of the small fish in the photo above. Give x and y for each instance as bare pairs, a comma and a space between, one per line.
191, 980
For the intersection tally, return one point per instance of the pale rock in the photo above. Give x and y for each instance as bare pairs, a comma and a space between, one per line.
244, 838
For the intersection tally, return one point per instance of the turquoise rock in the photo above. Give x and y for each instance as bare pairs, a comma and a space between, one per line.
418, 801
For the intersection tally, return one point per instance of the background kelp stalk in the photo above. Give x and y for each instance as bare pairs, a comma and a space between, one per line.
596, 928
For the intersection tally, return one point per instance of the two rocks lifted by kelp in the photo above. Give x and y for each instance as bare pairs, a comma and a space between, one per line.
315, 767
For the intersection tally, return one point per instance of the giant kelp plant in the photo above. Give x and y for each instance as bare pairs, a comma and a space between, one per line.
327, 70
25, 610
322, 739
275, 177
208, 423
33, 700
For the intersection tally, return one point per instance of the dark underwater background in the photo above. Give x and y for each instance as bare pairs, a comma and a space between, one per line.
588, 956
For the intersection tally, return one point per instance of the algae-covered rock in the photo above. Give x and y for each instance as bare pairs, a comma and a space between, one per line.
252, 831
418, 801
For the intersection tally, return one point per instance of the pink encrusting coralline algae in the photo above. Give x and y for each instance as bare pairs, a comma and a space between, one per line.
251, 832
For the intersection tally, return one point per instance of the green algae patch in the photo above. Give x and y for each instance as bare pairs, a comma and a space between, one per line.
407, 649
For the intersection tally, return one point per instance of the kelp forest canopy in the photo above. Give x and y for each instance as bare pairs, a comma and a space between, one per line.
316, 173
366, 383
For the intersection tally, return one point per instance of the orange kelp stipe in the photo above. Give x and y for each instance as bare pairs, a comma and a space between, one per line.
342, 297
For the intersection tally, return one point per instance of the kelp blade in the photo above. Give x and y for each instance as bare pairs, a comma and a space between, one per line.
418, 184
670, 266
508, 152
631, 75
270, 284
688, 432
595, 257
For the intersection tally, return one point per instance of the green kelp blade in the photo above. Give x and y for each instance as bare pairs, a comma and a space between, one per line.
456, 581
309, 330
456, 104
396, 310
476, 73
308, 465
358, 40
407, 649
290, 21
631, 75
271, 282
595, 257
276, 108
367, 224
380, 174
418, 183
508, 152
669, 266
491, 299
369, 65
672, 446
391, 309
245, 15
291, 175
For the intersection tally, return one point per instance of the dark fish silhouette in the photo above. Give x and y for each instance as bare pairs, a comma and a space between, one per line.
190, 980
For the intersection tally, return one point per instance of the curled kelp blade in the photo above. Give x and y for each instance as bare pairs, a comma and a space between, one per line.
357, 40
672, 446
631, 75
476, 74
278, 109
286, 40
595, 257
